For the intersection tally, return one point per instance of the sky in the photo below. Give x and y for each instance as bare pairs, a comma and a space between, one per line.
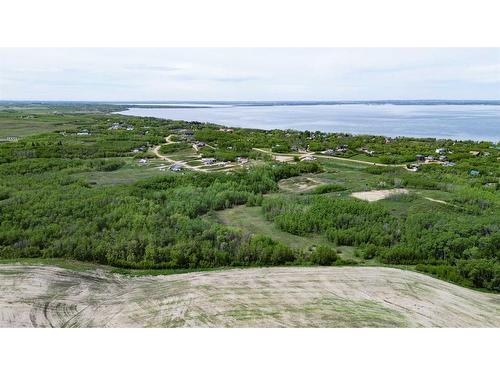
162, 74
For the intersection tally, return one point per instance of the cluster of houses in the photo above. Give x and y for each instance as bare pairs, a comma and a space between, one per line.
339, 149
441, 159
9, 138
120, 126
83, 132
367, 151
139, 149
211, 161
208, 161
176, 168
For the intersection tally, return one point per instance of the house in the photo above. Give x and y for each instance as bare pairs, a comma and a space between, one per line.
366, 151
227, 130
242, 160
329, 152
208, 161
429, 159
442, 157
308, 158
199, 144
342, 148
186, 132
176, 168
413, 167
420, 158
475, 153
9, 138
84, 132
440, 150
143, 161
135, 150
129, 128
115, 126
474, 172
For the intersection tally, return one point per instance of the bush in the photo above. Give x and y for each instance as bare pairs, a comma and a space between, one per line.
444, 272
400, 255
481, 272
324, 256
328, 188
369, 251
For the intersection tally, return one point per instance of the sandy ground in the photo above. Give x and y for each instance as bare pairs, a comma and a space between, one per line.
283, 158
299, 184
376, 195
44, 296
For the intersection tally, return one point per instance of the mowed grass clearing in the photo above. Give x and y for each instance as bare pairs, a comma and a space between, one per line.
128, 174
252, 220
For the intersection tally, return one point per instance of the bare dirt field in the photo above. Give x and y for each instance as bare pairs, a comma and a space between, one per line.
376, 195
283, 158
299, 184
46, 296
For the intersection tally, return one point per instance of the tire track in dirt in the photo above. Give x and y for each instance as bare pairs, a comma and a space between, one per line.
45, 296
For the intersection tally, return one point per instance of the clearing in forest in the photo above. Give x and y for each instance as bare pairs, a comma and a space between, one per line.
376, 195
299, 184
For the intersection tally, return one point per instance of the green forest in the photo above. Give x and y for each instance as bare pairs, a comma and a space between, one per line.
85, 184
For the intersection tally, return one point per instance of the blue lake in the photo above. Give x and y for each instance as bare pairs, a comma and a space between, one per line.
475, 122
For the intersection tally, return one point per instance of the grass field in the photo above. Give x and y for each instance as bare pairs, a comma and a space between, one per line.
251, 219
22, 125
128, 174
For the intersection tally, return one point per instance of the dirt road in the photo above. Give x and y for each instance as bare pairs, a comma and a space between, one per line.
184, 164
45, 296
329, 157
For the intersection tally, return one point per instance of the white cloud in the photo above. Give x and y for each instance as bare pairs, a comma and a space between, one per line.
249, 74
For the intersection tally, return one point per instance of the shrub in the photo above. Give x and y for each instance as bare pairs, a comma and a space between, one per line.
328, 188
324, 256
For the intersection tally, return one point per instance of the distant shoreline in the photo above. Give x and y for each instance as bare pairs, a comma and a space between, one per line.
456, 122
257, 103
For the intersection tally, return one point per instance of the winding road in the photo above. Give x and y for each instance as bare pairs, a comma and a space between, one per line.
330, 157
182, 163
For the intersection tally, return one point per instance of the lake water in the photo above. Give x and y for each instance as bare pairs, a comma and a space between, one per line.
475, 122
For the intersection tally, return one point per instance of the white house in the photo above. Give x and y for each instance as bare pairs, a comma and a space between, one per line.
308, 158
